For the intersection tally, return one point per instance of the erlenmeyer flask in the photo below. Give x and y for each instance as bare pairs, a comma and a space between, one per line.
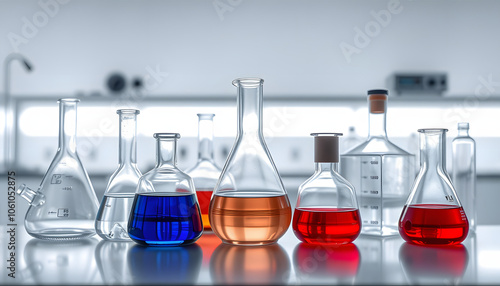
165, 211
326, 211
112, 218
250, 205
433, 213
205, 173
65, 204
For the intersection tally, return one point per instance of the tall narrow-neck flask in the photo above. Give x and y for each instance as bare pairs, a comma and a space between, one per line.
65, 204
327, 210
433, 213
464, 171
205, 173
112, 217
380, 171
250, 205
165, 211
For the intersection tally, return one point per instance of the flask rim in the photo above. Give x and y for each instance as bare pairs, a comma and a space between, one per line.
326, 134
211, 115
128, 111
68, 100
248, 81
432, 130
166, 135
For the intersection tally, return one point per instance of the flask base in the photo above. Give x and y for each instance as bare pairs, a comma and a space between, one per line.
62, 234
249, 243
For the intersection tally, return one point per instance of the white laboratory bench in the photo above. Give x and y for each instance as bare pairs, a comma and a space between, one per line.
369, 260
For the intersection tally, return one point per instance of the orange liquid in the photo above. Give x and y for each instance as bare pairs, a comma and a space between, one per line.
250, 220
204, 197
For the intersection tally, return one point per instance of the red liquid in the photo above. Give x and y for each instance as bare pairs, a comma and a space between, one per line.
326, 225
204, 197
433, 224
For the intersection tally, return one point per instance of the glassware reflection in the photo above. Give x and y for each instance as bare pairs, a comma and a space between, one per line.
111, 258
249, 265
433, 264
165, 265
326, 264
380, 261
62, 262
208, 243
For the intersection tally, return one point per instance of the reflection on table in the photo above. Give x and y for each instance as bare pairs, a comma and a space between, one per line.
326, 264
249, 265
164, 265
61, 262
433, 264
111, 259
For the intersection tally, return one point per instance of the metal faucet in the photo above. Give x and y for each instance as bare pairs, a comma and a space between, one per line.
9, 145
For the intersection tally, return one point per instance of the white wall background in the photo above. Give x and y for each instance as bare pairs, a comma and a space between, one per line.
293, 45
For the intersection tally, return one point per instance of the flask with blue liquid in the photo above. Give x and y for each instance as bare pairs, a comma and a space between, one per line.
165, 211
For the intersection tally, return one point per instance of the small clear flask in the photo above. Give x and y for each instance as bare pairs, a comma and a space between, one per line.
433, 213
464, 171
326, 211
165, 211
112, 217
250, 205
65, 204
205, 173
380, 171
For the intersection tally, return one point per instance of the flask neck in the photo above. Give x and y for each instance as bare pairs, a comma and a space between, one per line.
377, 123
128, 139
432, 150
67, 125
166, 149
250, 110
326, 167
205, 137
463, 132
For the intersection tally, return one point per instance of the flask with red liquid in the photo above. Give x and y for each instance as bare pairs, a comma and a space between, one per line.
433, 213
205, 173
327, 210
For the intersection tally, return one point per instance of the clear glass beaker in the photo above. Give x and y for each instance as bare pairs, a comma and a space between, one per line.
326, 211
250, 205
165, 211
65, 204
464, 171
380, 171
433, 213
205, 173
112, 217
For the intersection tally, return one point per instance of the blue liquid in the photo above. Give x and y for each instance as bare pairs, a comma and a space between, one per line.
165, 219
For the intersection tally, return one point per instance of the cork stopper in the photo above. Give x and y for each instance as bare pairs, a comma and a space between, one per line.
326, 147
378, 100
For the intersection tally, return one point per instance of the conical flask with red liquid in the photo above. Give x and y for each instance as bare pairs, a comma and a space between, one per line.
250, 205
326, 211
205, 173
433, 213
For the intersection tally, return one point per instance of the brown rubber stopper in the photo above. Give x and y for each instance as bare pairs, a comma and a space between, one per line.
326, 149
377, 103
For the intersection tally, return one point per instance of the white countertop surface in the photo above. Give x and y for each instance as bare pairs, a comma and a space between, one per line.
369, 260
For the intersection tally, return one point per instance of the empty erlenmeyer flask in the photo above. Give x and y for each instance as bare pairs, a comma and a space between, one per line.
165, 210
327, 210
250, 205
205, 173
433, 213
65, 204
112, 218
